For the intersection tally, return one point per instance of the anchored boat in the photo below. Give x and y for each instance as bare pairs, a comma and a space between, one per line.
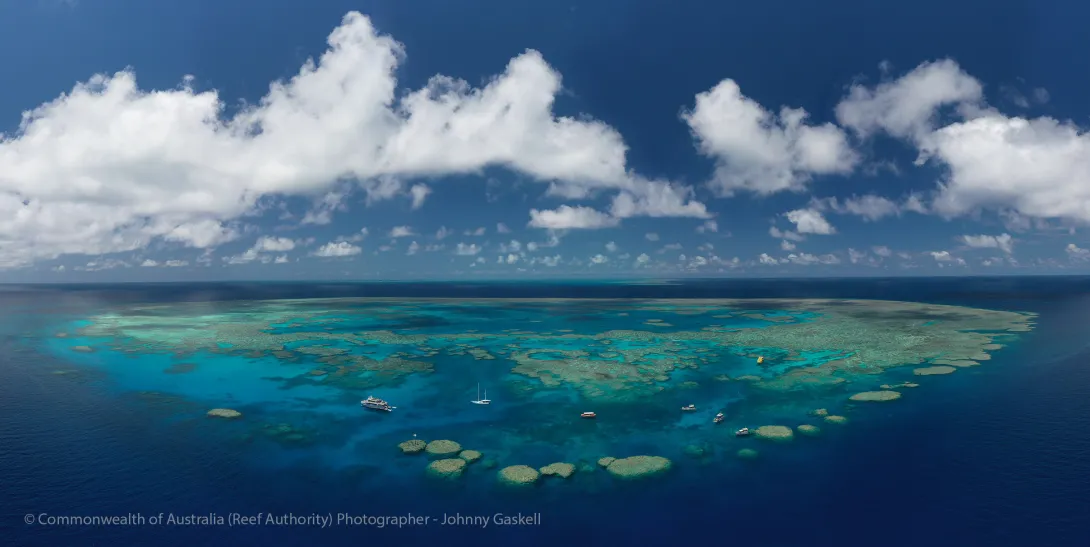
688, 408
374, 403
588, 415
742, 432
718, 418
479, 400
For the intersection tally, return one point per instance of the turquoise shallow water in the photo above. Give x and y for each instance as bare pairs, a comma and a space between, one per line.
298, 405
988, 455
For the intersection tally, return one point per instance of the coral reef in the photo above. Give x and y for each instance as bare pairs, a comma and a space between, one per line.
819, 412
412, 446
224, 413
519, 475
604, 462
933, 371
833, 419
774, 433
448, 468
696, 450
808, 430
634, 467
469, 456
442, 448
876, 396
559, 469
747, 454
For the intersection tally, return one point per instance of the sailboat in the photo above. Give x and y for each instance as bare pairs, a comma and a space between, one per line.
479, 400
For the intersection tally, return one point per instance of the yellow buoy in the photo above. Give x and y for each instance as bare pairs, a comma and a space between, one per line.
760, 360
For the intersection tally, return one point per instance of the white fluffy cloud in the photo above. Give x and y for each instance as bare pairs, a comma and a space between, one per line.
907, 107
1038, 167
567, 217
401, 231
810, 221
110, 167
261, 249
708, 226
1076, 253
870, 206
1003, 242
337, 249
467, 250
806, 259
761, 152
419, 193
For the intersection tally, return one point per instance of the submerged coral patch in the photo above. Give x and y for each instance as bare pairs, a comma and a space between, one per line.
933, 371
442, 448
634, 467
876, 396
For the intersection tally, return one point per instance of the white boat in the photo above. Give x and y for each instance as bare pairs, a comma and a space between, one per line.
479, 400
375, 403
689, 408
718, 418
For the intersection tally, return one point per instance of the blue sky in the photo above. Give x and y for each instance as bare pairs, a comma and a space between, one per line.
502, 138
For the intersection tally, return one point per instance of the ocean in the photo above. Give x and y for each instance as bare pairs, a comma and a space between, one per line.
109, 444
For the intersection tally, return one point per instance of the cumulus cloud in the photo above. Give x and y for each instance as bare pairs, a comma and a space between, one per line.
869, 207
882, 250
761, 152
708, 226
547, 261
810, 221
1076, 253
599, 259
467, 250
1003, 242
1036, 167
401, 231
806, 259
260, 250
567, 217
502, 228
767, 260
908, 106
777, 233
787, 245
419, 193
612, 247
337, 249
651, 236
642, 260
475, 233
110, 167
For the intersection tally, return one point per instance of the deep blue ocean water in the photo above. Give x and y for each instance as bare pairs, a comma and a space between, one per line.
999, 456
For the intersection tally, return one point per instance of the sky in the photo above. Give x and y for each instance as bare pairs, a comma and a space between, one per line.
210, 140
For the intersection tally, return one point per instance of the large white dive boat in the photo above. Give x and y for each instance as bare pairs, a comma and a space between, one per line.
375, 403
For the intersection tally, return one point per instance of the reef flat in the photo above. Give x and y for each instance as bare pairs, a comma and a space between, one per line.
296, 369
